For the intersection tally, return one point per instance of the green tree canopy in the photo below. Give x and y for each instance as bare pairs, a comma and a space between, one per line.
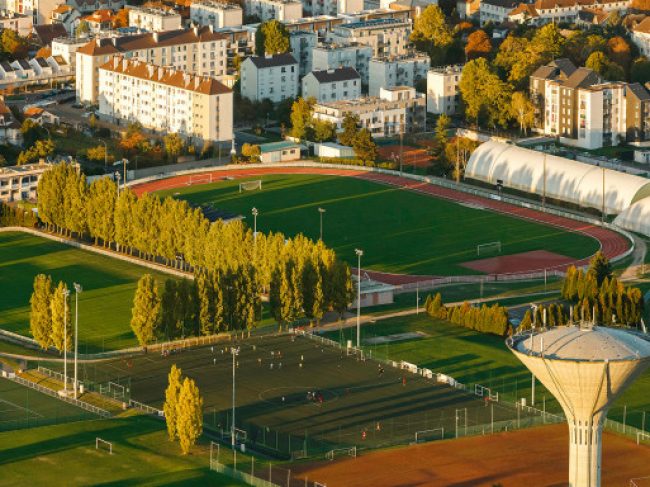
271, 37
364, 146
145, 314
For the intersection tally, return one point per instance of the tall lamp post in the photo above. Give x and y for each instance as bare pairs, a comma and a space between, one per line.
66, 293
321, 211
124, 162
255, 213
235, 352
359, 254
77, 289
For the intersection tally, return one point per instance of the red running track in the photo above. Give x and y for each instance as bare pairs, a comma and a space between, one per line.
612, 243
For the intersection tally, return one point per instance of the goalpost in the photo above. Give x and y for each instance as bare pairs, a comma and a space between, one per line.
482, 391
488, 248
199, 179
103, 444
352, 452
113, 390
429, 435
250, 185
642, 435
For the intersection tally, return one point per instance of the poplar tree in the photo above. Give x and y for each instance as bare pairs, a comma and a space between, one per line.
168, 308
40, 317
171, 401
205, 295
189, 415
61, 332
218, 308
145, 314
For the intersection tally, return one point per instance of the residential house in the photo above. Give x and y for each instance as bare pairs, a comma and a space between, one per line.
67, 16
9, 127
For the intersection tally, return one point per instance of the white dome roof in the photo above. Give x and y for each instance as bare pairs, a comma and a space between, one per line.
636, 218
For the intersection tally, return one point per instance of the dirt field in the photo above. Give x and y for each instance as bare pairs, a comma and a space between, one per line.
413, 156
537, 259
536, 457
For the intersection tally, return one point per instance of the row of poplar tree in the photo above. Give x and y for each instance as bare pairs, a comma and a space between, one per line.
49, 318
16, 216
485, 319
165, 229
183, 410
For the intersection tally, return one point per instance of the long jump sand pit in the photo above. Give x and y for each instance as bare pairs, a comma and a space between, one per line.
535, 457
525, 261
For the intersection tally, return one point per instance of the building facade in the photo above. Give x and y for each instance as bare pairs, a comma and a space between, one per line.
19, 183
495, 11
19, 23
165, 100
332, 85
543, 12
640, 34
154, 19
200, 51
274, 9
387, 37
302, 45
332, 7
442, 90
397, 71
269, 77
331, 56
217, 14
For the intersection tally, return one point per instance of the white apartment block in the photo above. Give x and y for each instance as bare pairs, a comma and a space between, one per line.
397, 71
154, 19
274, 9
19, 183
67, 47
442, 89
396, 110
302, 44
269, 77
67, 16
332, 85
386, 37
559, 11
200, 51
19, 23
640, 34
495, 11
217, 14
165, 100
332, 56
332, 7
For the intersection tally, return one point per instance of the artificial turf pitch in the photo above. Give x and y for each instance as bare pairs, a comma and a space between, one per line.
399, 231
272, 403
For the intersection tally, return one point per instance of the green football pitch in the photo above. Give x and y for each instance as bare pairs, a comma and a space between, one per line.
104, 305
276, 410
22, 407
399, 231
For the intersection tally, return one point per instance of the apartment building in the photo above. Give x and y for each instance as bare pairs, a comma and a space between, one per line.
640, 34
67, 16
559, 11
18, 183
354, 55
468, 9
217, 14
9, 127
269, 77
557, 70
396, 110
397, 71
442, 89
200, 51
154, 19
274, 9
386, 36
165, 100
495, 11
19, 23
332, 85
332, 7
67, 47
302, 44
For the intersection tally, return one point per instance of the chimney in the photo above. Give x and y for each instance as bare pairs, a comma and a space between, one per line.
196, 30
211, 27
114, 41
155, 37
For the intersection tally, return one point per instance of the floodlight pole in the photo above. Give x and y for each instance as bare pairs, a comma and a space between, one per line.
77, 289
321, 211
255, 213
66, 293
235, 352
359, 254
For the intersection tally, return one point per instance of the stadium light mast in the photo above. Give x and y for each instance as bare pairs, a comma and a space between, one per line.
77, 289
321, 211
255, 213
359, 254
235, 352
66, 293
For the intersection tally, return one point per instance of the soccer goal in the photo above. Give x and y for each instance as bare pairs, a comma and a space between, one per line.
355, 352
250, 185
199, 179
482, 391
240, 436
339, 452
489, 248
642, 436
103, 445
114, 390
429, 435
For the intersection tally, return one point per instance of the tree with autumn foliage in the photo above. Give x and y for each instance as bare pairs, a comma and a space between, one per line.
121, 18
478, 45
620, 52
134, 140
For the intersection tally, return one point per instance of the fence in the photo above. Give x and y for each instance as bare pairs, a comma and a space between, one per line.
441, 281
146, 409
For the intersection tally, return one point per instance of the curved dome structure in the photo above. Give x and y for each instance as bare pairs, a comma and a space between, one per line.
636, 218
586, 369
566, 180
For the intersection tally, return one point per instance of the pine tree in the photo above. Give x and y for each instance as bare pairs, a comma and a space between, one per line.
171, 401
61, 333
189, 415
145, 314
600, 265
40, 317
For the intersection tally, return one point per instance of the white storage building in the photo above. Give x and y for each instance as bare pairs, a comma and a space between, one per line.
559, 178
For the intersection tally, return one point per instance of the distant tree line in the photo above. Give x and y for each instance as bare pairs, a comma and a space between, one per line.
485, 319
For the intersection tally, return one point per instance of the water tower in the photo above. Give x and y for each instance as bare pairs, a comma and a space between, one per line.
586, 368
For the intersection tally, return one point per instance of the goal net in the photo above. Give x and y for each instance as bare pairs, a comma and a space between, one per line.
250, 185
114, 390
339, 452
199, 179
642, 436
103, 445
482, 391
429, 435
240, 436
490, 248
355, 352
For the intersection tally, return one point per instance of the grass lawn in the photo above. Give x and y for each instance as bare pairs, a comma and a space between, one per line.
472, 357
399, 231
106, 300
66, 455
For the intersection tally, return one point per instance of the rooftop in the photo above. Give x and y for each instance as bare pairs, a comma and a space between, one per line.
332, 75
164, 11
451, 69
276, 146
372, 23
273, 61
217, 4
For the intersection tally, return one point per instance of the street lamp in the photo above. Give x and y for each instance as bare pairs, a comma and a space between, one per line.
66, 293
124, 162
77, 289
321, 211
235, 352
359, 254
255, 213
118, 176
